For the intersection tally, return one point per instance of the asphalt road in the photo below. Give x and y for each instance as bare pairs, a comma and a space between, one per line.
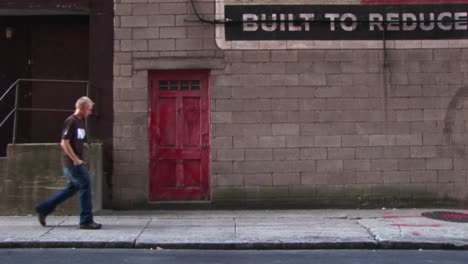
143, 256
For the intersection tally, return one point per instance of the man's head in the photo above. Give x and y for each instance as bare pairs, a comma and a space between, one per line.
84, 107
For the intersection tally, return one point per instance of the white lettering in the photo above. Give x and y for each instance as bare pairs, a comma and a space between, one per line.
291, 25
393, 22
423, 25
409, 21
249, 26
345, 17
441, 23
461, 25
332, 18
375, 20
307, 18
269, 26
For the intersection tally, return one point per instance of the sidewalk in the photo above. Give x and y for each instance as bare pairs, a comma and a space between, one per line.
256, 229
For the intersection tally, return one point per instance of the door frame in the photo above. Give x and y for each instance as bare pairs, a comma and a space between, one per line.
153, 133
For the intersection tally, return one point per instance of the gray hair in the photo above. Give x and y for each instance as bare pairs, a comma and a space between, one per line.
82, 101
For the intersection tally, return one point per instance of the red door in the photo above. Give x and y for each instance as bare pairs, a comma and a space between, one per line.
179, 135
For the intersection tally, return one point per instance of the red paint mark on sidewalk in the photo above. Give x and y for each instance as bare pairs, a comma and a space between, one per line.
396, 216
415, 225
416, 233
456, 216
413, 1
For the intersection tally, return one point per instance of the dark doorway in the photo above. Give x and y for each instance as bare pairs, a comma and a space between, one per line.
45, 48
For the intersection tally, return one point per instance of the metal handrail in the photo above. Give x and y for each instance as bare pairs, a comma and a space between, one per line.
16, 108
9, 89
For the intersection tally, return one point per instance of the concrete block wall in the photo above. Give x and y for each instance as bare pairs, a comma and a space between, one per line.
340, 127
34, 173
330, 127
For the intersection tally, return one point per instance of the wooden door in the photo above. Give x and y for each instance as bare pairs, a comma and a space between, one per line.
179, 135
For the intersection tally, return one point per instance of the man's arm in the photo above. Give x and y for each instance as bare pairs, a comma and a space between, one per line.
65, 143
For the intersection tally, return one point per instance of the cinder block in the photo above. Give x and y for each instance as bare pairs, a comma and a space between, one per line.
134, 45
381, 140
247, 117
173, 32
229, 105
355, 140
122, 9
312, 55
412, 164
339, 55
313, 153
222, 142
284, 55
340, 79
327, 141
271, 68
286, 179
356, 165
341, 153
312, 79
411, 139
384, 165
391, 152
221, 167
145, 9
439, 164
435, 114
221, 117
145, 33
423, 176
284, 79
230, 154
286, 154
189, 44
318, 178
173, 8
229, 179
245, 142
369, 152
301, 141
329, 165
392, 177
257, 105
258, 154
423, 152
161, 20
285, 129
133, 21
256, 56
369, 177
161, 44
272, 141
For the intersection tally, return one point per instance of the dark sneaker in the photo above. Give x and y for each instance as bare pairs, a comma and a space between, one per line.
41, 217
91, 226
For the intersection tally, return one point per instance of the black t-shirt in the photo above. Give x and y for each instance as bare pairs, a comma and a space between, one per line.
73, 130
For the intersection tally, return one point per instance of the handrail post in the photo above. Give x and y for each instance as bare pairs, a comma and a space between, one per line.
15, 120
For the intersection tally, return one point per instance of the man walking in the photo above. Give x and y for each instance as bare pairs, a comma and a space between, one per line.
74, 169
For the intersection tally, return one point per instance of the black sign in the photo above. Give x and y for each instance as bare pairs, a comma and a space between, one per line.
346, 22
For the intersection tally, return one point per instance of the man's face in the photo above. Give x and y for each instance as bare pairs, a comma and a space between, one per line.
87, 110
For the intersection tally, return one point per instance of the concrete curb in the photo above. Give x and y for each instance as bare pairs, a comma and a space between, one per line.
239, 246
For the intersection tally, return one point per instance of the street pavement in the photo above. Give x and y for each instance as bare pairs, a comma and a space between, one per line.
242, 229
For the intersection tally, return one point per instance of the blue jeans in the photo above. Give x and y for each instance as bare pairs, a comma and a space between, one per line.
78, 180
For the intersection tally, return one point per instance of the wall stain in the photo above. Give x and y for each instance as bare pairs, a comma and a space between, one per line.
449, 120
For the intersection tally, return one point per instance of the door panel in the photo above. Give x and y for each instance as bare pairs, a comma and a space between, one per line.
167, 121
179, 135
191, 122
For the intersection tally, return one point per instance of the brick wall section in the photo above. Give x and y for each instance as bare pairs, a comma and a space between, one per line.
326, 126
